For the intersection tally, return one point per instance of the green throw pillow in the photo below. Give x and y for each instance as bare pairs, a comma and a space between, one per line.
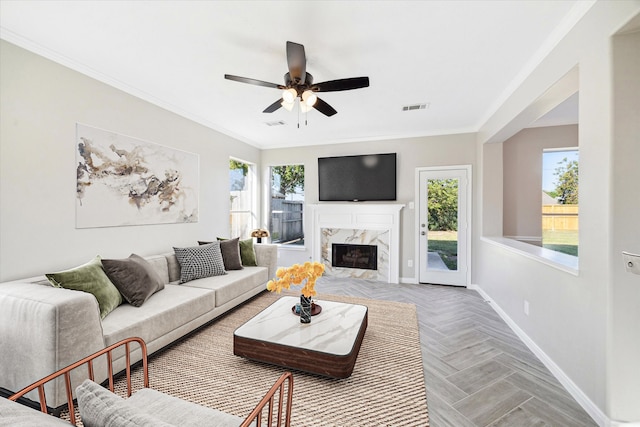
90, 278
247, 253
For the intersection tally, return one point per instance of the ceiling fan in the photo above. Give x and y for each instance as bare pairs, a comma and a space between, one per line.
299, 84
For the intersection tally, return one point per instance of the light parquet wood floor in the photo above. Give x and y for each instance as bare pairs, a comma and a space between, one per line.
477, 371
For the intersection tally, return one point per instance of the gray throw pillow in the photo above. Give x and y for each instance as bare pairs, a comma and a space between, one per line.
100, 408
247, 253
91, 278
200, 261
134, 277
230, 253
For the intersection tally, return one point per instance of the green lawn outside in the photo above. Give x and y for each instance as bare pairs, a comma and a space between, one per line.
445, 243
565, 241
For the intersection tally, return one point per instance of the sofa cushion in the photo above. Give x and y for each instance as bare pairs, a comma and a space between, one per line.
200, 261
230, 253
100, 408
159, 265
16, 415
134, 277
233, 284
173, 268
162, 313
91, 278
180, 412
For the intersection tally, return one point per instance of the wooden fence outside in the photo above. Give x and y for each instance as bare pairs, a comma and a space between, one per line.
560, 217
286, 220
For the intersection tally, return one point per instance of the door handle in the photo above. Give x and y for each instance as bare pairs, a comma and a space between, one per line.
423, 233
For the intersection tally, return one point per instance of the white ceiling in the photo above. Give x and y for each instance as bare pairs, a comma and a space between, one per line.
463, 58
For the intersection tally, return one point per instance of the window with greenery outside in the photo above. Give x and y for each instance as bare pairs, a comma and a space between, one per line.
287, 205
560, 206
241, 199
442, 204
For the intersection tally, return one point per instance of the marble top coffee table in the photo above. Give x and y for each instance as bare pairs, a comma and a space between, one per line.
327, 346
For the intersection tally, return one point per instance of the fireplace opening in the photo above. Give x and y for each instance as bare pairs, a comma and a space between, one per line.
354, 256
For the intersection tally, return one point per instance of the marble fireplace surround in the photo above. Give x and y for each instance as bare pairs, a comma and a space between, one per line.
358, 223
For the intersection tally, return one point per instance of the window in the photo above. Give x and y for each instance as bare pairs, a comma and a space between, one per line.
242, 196
286, 205
560, 200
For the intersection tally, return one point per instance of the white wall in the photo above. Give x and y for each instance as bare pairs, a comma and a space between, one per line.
522, 170
412, 153
571, 315
41, 102
624, 306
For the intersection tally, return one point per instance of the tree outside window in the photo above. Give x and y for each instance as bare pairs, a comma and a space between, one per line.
287, 204
560, 201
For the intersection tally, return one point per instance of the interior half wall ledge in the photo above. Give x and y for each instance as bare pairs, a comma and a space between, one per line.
563, 262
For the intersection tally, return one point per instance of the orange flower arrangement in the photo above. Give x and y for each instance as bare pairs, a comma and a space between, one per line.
296, 275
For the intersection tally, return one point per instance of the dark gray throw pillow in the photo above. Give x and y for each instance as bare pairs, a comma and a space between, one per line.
247, 253
134, 277
230, 253
197, 262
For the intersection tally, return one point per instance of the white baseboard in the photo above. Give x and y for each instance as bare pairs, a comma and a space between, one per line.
583, 400
409, 280
623, 424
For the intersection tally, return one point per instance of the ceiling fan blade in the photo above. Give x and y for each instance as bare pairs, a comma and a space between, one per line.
252, 81
273, 107
297, 62
324, 108
341, 84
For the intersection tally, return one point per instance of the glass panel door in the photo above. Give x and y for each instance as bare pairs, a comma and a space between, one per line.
443, 231
442, 224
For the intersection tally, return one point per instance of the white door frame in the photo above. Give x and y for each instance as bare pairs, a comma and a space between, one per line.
468, 170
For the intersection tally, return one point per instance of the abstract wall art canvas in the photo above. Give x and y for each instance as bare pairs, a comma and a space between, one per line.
125, 181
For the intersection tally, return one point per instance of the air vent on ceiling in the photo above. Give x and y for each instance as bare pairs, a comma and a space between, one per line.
275, 123
415, 107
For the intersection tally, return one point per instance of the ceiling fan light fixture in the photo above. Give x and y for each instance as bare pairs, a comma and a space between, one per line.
299, 85
288, 105
305, 108
309, 98
289, 95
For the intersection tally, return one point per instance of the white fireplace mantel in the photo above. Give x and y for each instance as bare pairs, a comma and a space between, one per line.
360, 216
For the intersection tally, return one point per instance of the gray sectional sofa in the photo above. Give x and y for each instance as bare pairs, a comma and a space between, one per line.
44, 328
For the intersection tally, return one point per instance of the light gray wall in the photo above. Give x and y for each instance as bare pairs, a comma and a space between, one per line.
41, 102
522, 170
624, 342
412, 153
575, 319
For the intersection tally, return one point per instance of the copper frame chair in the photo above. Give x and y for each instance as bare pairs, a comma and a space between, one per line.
282, 388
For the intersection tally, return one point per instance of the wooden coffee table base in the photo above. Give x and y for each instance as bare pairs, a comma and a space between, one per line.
314, 362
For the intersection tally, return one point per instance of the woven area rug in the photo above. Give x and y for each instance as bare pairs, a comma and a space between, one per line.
386, 388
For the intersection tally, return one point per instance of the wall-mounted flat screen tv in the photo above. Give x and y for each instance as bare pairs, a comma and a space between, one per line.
357, 178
